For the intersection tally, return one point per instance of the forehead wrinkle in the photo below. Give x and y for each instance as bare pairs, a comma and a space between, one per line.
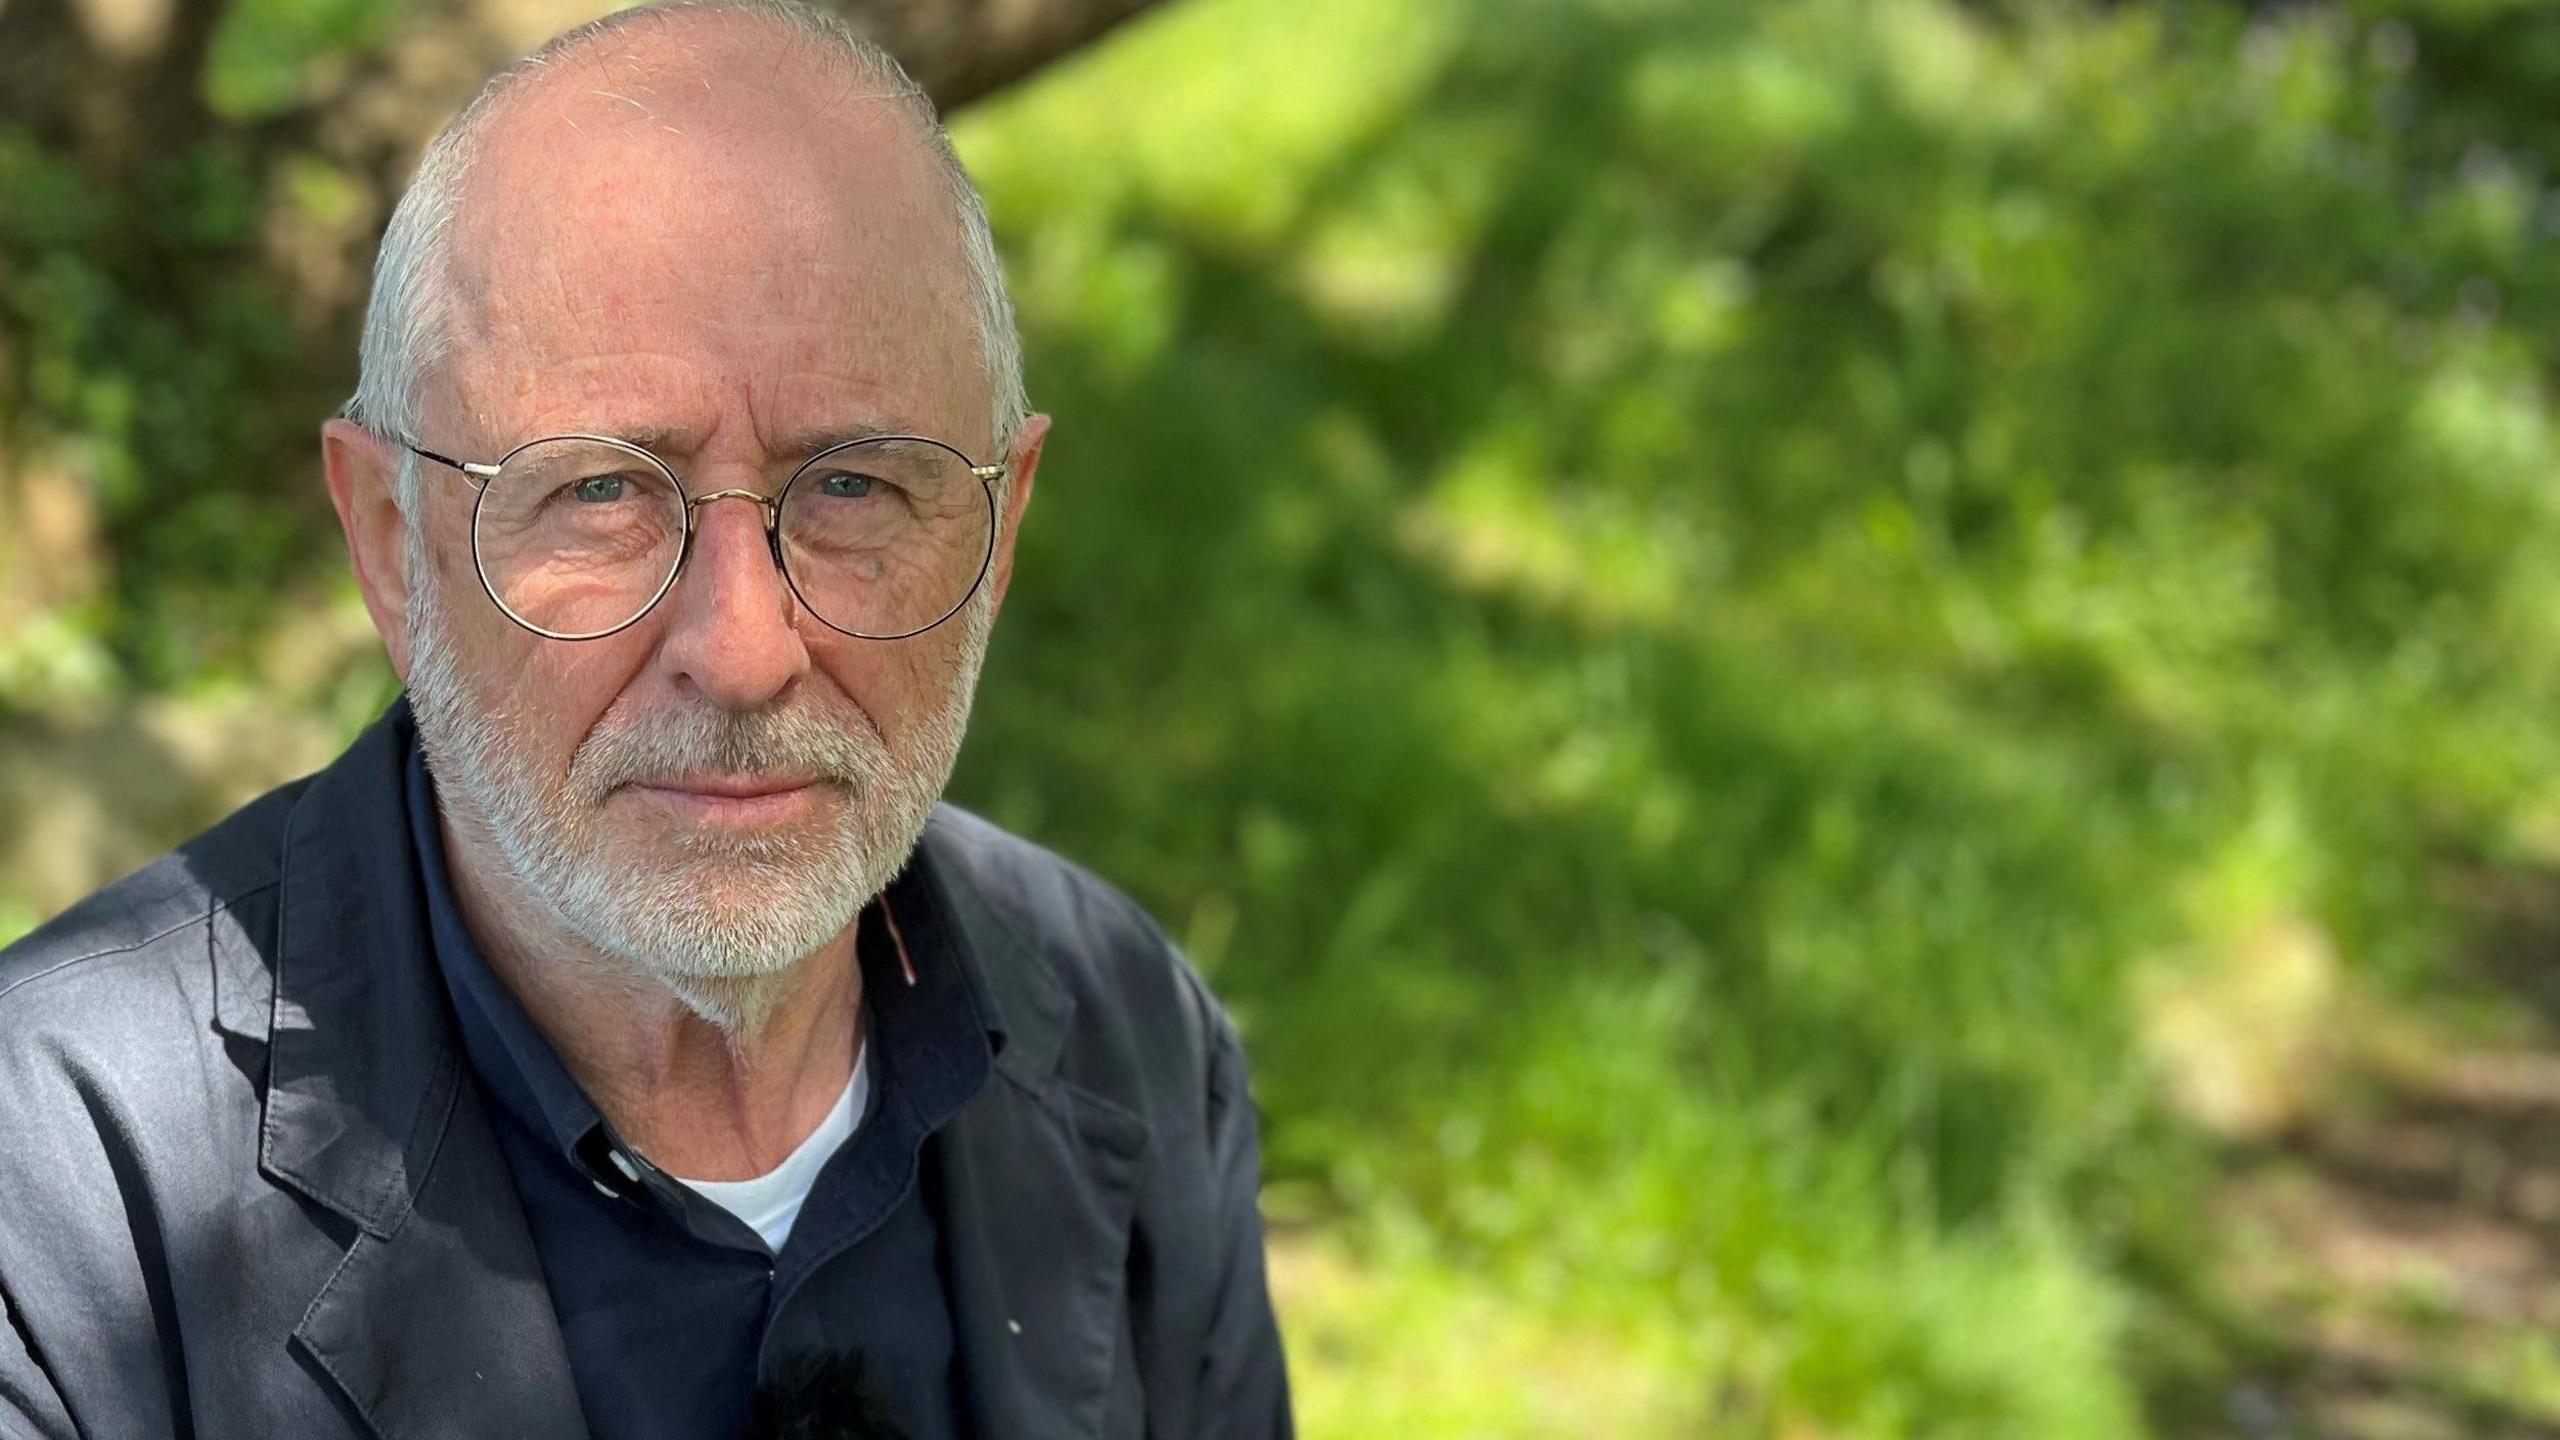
812, 409
616, 395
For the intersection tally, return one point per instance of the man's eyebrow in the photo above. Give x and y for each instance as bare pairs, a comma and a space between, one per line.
659, 440
800, 444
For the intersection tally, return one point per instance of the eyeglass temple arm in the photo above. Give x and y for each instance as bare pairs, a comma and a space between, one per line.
477, 472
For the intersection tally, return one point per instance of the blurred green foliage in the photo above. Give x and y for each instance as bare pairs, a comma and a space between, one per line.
144, 348
1684, 604
1678, 600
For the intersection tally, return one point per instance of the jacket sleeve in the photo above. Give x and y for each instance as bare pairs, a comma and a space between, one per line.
29, 1407
1245, 1384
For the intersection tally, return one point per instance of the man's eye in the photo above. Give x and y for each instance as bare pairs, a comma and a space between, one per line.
599, 489
840, 485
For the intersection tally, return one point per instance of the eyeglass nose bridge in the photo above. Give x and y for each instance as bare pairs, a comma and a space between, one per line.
771, 505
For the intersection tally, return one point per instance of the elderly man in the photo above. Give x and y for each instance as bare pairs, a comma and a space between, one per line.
619, 1039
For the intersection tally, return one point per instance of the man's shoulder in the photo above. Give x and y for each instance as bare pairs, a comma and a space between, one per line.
1133, 993
1097, 939
160, 924
1030, 884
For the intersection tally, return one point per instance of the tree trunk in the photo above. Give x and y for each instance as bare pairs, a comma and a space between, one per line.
108, 76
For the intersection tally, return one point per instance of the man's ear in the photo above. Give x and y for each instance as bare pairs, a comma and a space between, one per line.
1023, 466
363, 471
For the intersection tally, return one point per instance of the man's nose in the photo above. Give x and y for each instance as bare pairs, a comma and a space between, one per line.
732, 631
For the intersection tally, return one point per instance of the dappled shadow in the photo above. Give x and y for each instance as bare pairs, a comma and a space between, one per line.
2484, 1141
2516, 953
2395, 1263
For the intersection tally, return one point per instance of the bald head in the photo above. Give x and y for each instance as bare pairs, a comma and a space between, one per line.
662, 188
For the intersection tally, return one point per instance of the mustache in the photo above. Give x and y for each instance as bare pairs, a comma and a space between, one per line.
654, 747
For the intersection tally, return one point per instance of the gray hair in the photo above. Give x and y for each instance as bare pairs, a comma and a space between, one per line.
408, 323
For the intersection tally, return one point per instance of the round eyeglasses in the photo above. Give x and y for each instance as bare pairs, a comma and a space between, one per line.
578, 536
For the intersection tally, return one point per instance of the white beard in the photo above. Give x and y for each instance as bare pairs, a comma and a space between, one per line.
723, 920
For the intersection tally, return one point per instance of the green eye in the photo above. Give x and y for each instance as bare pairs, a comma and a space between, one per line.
599, 489
840, 485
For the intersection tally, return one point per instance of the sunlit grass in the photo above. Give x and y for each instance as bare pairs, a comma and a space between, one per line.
1397, 1347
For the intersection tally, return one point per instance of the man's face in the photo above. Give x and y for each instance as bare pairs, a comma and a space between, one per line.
719, 246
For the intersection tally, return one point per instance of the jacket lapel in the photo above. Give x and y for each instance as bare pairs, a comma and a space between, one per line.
1038, 1182
420, 1354
438, 1322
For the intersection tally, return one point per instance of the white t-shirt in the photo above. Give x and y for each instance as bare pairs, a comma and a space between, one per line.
771, 1201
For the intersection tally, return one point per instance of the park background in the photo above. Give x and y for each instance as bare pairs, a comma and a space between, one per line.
1856, 698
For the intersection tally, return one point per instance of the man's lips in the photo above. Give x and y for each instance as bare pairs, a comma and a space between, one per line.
733, 799
730, 787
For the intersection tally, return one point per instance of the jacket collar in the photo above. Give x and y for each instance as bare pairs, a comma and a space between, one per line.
1018, 994
362, 1063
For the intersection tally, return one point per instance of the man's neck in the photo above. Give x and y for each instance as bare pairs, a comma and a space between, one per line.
697, 1100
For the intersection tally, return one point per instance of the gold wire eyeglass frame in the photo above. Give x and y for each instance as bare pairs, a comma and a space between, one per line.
480, 474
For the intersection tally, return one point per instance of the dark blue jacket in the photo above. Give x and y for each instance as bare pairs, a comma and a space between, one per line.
248, 1188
